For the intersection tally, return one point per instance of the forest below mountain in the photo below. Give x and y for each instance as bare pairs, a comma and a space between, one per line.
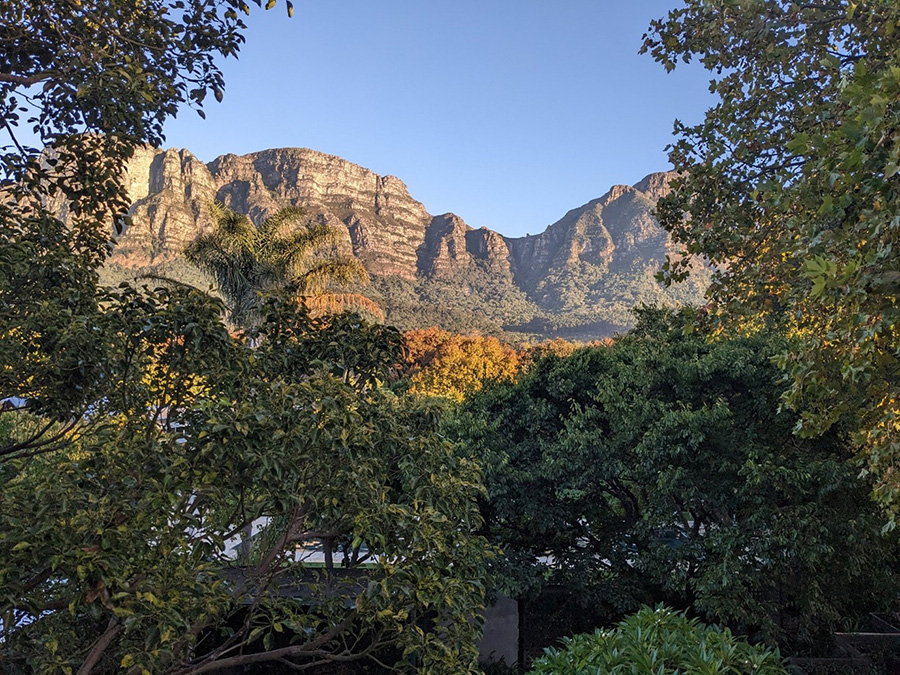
578, 279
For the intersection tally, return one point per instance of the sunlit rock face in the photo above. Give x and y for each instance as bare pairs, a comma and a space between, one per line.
389, 230
171, 190
611, 232
609, 240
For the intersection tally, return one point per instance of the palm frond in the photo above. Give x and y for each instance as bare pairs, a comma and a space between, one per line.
165, 281
204, 251
340, 271
234, 231
227, 253
337, 303
273, 225
246, 260
292, 251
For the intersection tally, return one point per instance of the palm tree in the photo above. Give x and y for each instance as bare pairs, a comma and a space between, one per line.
246, 260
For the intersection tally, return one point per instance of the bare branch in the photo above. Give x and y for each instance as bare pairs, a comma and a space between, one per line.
311, 648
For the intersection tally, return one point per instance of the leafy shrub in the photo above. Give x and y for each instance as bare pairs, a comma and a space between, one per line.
658, 641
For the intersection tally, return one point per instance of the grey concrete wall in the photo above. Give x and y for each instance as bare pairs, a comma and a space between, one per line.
501, 632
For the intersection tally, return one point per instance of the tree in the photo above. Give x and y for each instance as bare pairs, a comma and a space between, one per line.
247, 260
117, 550
662, 469
137, 435
790, 187
50, 357
90, 80
94, 79
443, 364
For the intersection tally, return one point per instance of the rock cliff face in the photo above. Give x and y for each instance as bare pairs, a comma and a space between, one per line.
171, 189
610, 231
571, 263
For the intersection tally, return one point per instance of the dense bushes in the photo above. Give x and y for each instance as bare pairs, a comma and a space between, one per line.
663, 469
120, 543
659, 641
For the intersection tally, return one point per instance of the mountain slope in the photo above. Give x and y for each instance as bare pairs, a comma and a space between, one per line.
579, 277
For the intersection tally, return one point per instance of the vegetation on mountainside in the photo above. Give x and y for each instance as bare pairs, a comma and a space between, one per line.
459, 313
571, 305
446, 304
791, 185
661, 469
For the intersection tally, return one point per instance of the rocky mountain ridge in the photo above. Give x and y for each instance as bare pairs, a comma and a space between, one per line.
576, 273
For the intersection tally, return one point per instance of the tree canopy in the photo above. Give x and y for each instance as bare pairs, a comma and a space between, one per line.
790, 187
662, 469
453, 366
119, 546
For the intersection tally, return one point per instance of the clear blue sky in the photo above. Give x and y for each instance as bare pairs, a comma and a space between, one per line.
508, 113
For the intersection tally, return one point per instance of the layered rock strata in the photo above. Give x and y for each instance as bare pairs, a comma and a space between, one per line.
388, 230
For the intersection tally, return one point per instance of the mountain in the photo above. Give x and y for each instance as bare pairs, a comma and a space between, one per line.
579, 278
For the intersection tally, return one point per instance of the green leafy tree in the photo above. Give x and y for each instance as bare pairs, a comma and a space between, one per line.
661, 468
138, 436
50, 358
790, 187
94, 79
659, 641
119, 549
345, 345
247, 260
89, 80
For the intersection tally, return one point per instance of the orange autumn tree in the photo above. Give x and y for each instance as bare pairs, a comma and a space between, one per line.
453, 366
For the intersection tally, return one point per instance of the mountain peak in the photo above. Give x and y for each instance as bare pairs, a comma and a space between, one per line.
579, 269
656, 185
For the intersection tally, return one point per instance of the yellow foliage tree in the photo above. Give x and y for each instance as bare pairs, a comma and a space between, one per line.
454, 366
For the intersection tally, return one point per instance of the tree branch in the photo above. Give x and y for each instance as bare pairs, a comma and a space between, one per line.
310, 649
100, 646
22, 79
